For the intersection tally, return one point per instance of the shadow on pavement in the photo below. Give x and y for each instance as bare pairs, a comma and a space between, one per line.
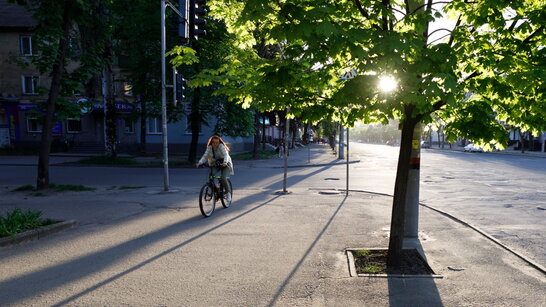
414, 291
67, 272
307, 252
70, 271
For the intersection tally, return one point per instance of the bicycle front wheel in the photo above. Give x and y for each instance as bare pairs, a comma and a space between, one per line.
225, 201
207, 200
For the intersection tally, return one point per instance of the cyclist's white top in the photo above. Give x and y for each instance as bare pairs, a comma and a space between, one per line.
220, 153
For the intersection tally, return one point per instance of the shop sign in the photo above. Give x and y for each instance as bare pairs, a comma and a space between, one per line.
121, 107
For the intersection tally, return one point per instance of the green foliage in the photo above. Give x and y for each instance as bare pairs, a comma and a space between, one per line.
376, 133
17, 221
496, 52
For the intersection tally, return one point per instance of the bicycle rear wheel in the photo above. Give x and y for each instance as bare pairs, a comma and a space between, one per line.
207, 200
225, 202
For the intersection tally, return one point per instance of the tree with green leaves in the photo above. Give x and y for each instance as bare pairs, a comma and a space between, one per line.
485, 70
55, 27
206, 55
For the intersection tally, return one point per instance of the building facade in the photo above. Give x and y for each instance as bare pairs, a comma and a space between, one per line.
20, 97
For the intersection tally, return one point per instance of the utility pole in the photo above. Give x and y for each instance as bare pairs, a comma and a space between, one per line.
183, 16
411, 219
164, 103
286, 135
341, 143
347, 188
411, 224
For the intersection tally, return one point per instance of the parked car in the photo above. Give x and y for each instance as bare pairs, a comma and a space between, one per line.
425, 144
470, 148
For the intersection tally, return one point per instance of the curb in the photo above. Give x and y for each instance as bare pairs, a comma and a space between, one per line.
36, 233
319, 164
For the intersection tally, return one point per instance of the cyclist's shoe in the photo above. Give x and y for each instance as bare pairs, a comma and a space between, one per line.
228, 197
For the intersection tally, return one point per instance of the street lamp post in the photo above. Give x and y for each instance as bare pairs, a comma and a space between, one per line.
164, 103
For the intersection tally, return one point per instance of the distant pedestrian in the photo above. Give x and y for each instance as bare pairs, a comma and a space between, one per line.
280, 150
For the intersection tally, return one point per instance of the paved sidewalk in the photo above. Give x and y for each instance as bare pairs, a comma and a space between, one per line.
147, 248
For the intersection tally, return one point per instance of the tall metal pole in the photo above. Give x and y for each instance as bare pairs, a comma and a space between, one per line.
347, 188
286, 134
164, 103
341, 143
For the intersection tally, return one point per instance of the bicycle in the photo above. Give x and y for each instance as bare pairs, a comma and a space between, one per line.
211, 192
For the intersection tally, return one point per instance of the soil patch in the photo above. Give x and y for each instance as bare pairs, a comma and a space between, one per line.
375, 262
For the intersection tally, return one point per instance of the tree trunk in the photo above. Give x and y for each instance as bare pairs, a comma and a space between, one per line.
142, 125
256, 145
396, 239
305, 136
42, 181
263, 131
195, 123
110, 111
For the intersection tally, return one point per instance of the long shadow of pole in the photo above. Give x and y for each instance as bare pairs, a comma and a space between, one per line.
307, 252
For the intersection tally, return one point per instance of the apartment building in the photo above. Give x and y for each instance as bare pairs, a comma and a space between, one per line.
20, 123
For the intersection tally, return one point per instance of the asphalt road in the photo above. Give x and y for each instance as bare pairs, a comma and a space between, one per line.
503, 195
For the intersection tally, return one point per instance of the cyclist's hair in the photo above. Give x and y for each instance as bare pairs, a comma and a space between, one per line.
209, 143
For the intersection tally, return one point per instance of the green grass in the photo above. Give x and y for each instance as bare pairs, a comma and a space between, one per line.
248, 155
128, 187
361, 252
103, 160
56, 187
17, 221
28, 187
70, 187
38, 194
371, 269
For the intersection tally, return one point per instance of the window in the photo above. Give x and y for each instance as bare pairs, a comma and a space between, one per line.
30, 85
25, 45
73, 125
154, 125
33, 124
129, 126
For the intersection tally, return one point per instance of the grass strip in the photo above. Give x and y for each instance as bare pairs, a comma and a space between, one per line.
262, 154
17, 221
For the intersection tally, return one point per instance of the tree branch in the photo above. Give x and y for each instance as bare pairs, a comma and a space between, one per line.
513, 25
361, 9
537, 31
429, 5
364, 13
472, 75
454, 28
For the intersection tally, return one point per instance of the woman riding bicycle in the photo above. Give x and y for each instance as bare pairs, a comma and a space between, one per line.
217, 156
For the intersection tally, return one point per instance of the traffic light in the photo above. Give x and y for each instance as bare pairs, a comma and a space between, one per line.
197, 13
179, 88
183, 24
